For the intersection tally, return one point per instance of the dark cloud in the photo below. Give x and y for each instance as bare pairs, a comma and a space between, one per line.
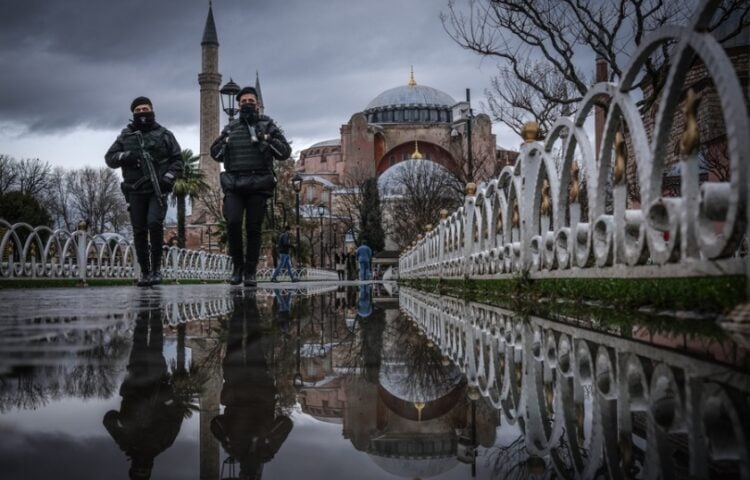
79, 63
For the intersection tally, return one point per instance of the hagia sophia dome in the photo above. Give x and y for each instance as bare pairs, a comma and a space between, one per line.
410, 103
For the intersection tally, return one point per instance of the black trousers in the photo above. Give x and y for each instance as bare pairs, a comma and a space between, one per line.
147, 218
251, 208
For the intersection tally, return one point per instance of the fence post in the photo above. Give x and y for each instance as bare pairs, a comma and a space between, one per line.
81, 253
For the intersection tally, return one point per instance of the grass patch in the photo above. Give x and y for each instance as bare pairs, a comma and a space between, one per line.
701, 294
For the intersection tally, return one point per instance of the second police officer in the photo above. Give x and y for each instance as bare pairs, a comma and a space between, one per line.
247, 147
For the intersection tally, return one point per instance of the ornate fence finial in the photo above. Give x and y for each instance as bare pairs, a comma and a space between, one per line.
530, 132
620, 156
82, 225
471, 189
428, 228
443, 214
574, 182
546, 206
691, 136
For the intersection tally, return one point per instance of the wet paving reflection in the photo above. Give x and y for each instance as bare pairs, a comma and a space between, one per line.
359, 382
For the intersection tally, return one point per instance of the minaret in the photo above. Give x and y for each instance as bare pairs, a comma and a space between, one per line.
260, 95
209, 80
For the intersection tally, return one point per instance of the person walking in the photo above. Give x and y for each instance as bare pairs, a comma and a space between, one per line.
150, 159
364, 257
283, 245
248, 147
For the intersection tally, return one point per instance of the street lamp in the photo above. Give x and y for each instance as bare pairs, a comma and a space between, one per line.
228, 93
297, 186
321, 212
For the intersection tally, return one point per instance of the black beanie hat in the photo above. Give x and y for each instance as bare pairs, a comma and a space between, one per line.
141, 101
245, 91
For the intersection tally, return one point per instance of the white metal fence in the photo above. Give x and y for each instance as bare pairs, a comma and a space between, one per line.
41, 252
529, 218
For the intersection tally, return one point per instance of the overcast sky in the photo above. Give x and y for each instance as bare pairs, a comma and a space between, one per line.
70, 69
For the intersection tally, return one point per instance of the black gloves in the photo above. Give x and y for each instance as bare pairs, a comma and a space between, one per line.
129, 159
166, 184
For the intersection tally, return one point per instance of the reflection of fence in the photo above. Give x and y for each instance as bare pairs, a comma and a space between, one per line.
80, 355
589, 401
301, 273
531, 216
40, 252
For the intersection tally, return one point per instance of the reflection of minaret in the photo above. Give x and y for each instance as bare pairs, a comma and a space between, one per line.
209, 405
209, 80
260, 95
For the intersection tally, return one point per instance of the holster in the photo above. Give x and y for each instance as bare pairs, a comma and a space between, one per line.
247, 183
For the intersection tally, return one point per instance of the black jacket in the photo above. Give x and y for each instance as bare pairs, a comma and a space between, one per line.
239, 153
159, 142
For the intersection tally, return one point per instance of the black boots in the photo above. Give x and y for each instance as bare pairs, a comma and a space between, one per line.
156, 277
236, 277
145, 280
250, 280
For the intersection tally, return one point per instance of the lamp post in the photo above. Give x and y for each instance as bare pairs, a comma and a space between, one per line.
228, 93
321, 212
469, 159
297, 186
455, 135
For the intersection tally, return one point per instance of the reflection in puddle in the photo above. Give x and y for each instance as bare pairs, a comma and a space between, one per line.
369, 383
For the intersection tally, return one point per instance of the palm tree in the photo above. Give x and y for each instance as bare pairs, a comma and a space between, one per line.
192, 184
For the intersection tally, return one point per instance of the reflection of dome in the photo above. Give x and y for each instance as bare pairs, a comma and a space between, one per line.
398, 379
389, 183
415, 467
410, 103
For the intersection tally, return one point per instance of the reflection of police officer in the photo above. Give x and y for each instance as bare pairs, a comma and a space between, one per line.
247, 147
248, 429
150, 160
150, 416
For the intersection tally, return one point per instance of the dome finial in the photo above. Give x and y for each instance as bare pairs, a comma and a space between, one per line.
412, 82
416, 155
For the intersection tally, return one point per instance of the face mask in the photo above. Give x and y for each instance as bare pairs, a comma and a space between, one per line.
248, 113
144, 120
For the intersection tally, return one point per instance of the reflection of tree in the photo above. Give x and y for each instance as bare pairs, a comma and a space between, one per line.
150, 414
426, 370
92, 374
249, 429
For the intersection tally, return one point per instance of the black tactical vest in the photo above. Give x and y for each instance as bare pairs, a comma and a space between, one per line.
154, 142
242, 154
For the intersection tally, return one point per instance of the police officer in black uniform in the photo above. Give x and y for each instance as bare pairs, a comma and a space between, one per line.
150, 159
247, 147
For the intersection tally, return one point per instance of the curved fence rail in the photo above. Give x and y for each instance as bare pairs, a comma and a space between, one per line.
41, 252
532, 217
589, 402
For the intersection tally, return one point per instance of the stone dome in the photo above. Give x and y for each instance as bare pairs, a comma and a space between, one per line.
408, 95
411, 103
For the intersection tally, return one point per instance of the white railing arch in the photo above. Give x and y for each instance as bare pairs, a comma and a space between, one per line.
529, 218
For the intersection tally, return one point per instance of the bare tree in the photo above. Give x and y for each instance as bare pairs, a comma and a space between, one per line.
8, 173
513, 102
57, 200
33, 176
415, 195
96, 196
349, 201
522, 35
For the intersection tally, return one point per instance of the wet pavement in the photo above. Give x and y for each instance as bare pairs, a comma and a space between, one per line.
326, 381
